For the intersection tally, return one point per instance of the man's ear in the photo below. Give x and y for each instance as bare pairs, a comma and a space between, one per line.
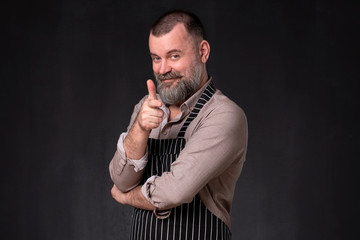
204, 51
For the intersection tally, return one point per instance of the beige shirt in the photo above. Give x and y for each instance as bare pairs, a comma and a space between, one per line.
209, 165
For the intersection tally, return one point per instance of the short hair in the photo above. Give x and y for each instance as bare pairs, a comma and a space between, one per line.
167, 22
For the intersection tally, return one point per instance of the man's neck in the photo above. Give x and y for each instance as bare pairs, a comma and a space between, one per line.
174, 112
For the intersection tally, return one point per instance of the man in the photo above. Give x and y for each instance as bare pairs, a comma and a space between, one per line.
179, 161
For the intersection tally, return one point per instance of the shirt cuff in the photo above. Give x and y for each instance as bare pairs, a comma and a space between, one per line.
147, 190
138, 164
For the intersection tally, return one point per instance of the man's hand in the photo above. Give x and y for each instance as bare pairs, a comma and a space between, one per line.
150, 116
134, 198
119, 196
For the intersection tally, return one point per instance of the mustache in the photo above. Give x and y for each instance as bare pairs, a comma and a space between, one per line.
167, 76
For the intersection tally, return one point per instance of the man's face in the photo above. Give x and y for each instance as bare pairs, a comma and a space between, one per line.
176, 65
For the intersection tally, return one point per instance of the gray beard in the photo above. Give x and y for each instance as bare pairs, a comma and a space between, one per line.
184, 88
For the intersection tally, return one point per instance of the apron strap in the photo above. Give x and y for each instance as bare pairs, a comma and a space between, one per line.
204, 98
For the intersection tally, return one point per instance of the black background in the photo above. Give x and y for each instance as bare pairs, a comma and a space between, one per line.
72, 71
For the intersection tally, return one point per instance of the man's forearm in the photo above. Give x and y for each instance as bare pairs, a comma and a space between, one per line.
135, 142
149, 117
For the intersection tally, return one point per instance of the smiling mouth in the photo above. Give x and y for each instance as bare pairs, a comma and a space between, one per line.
171, 79
169, 83
168, 80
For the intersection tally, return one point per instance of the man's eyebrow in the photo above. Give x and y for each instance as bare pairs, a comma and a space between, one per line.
169, 52
174, 50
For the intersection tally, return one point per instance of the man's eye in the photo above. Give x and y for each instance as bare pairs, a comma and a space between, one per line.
156, 59
175, 56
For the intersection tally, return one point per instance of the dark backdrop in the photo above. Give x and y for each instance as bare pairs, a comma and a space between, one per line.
72, 71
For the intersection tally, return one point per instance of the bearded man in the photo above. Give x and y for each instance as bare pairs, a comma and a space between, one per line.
179, 160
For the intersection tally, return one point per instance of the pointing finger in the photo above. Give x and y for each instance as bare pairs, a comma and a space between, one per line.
151, 89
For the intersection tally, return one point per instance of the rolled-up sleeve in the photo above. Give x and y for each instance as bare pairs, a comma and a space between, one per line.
139, 165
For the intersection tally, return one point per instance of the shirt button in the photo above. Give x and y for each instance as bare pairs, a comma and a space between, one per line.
164, 133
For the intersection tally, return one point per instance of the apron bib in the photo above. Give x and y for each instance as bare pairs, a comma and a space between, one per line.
187, 221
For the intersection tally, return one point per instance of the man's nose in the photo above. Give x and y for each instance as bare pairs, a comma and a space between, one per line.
164, 67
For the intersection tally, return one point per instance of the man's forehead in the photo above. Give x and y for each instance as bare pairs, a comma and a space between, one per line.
177, 38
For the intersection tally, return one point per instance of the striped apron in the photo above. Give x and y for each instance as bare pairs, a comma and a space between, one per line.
187, 221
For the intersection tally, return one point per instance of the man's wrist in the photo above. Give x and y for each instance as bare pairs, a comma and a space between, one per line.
136, 141
140, 129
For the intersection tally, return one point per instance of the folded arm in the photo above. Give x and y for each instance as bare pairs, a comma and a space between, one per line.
215, 150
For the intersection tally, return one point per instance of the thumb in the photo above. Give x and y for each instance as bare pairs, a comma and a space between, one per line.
151, 89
